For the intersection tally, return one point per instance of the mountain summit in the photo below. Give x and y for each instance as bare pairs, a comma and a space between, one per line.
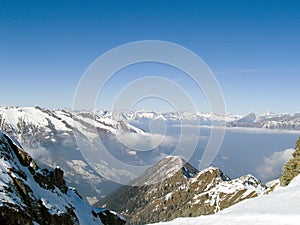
165, 169
280, 205
184, 192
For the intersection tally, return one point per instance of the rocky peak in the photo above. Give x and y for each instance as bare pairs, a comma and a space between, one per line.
185, 192
52, 138
292, 167
165, 169
30, 195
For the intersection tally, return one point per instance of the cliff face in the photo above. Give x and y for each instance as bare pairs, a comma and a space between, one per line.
53, 136
31, 195
292, 167
185, 192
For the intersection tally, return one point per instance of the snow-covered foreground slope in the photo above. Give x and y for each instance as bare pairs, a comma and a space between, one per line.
280, 207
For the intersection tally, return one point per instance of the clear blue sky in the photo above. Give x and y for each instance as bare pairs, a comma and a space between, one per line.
253, 47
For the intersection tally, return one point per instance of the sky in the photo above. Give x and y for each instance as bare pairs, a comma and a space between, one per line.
252, 47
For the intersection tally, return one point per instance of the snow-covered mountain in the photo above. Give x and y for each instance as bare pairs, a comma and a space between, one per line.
280, 204
180, 190
31, 195
268, 120
50, 137
143, 116
277, 208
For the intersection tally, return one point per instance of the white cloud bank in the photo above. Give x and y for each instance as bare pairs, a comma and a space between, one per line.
272, 166
142, 142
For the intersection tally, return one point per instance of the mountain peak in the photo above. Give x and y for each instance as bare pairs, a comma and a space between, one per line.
164, 169
194, 193
30, 195
249, 118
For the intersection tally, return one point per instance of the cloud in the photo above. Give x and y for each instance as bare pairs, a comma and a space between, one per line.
40, 155
37, 153
142, 142
272, 166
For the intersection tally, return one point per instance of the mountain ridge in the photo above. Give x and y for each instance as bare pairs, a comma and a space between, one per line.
279, 205
51, 137
31, 195
268, 121
200, 193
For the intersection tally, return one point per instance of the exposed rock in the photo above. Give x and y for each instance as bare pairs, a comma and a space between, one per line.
292, 167
185, 193
110, 218
29, 195
11, 215
54, 135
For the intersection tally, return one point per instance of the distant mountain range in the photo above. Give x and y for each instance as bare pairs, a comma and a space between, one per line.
269, 121
144, 116
32, 195
290, 121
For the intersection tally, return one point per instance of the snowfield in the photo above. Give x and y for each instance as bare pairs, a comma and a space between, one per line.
281, 207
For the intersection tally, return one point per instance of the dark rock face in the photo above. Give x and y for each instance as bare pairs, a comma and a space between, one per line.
292, 167
186, 193
29, 195
109, 218
55, 133
10, 216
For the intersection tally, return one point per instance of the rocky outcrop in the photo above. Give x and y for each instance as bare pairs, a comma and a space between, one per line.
30, 195
54, 134
185, 192
292, 167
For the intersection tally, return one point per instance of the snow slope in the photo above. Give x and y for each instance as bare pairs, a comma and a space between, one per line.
280, 207
51, 138
176, 189
24, 187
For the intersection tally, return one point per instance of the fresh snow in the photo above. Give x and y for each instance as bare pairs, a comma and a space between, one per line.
30, 115
280, 207
61, 120
54, 200
145, 115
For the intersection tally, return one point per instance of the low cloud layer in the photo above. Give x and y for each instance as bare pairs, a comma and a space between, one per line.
272, 166
144, 142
